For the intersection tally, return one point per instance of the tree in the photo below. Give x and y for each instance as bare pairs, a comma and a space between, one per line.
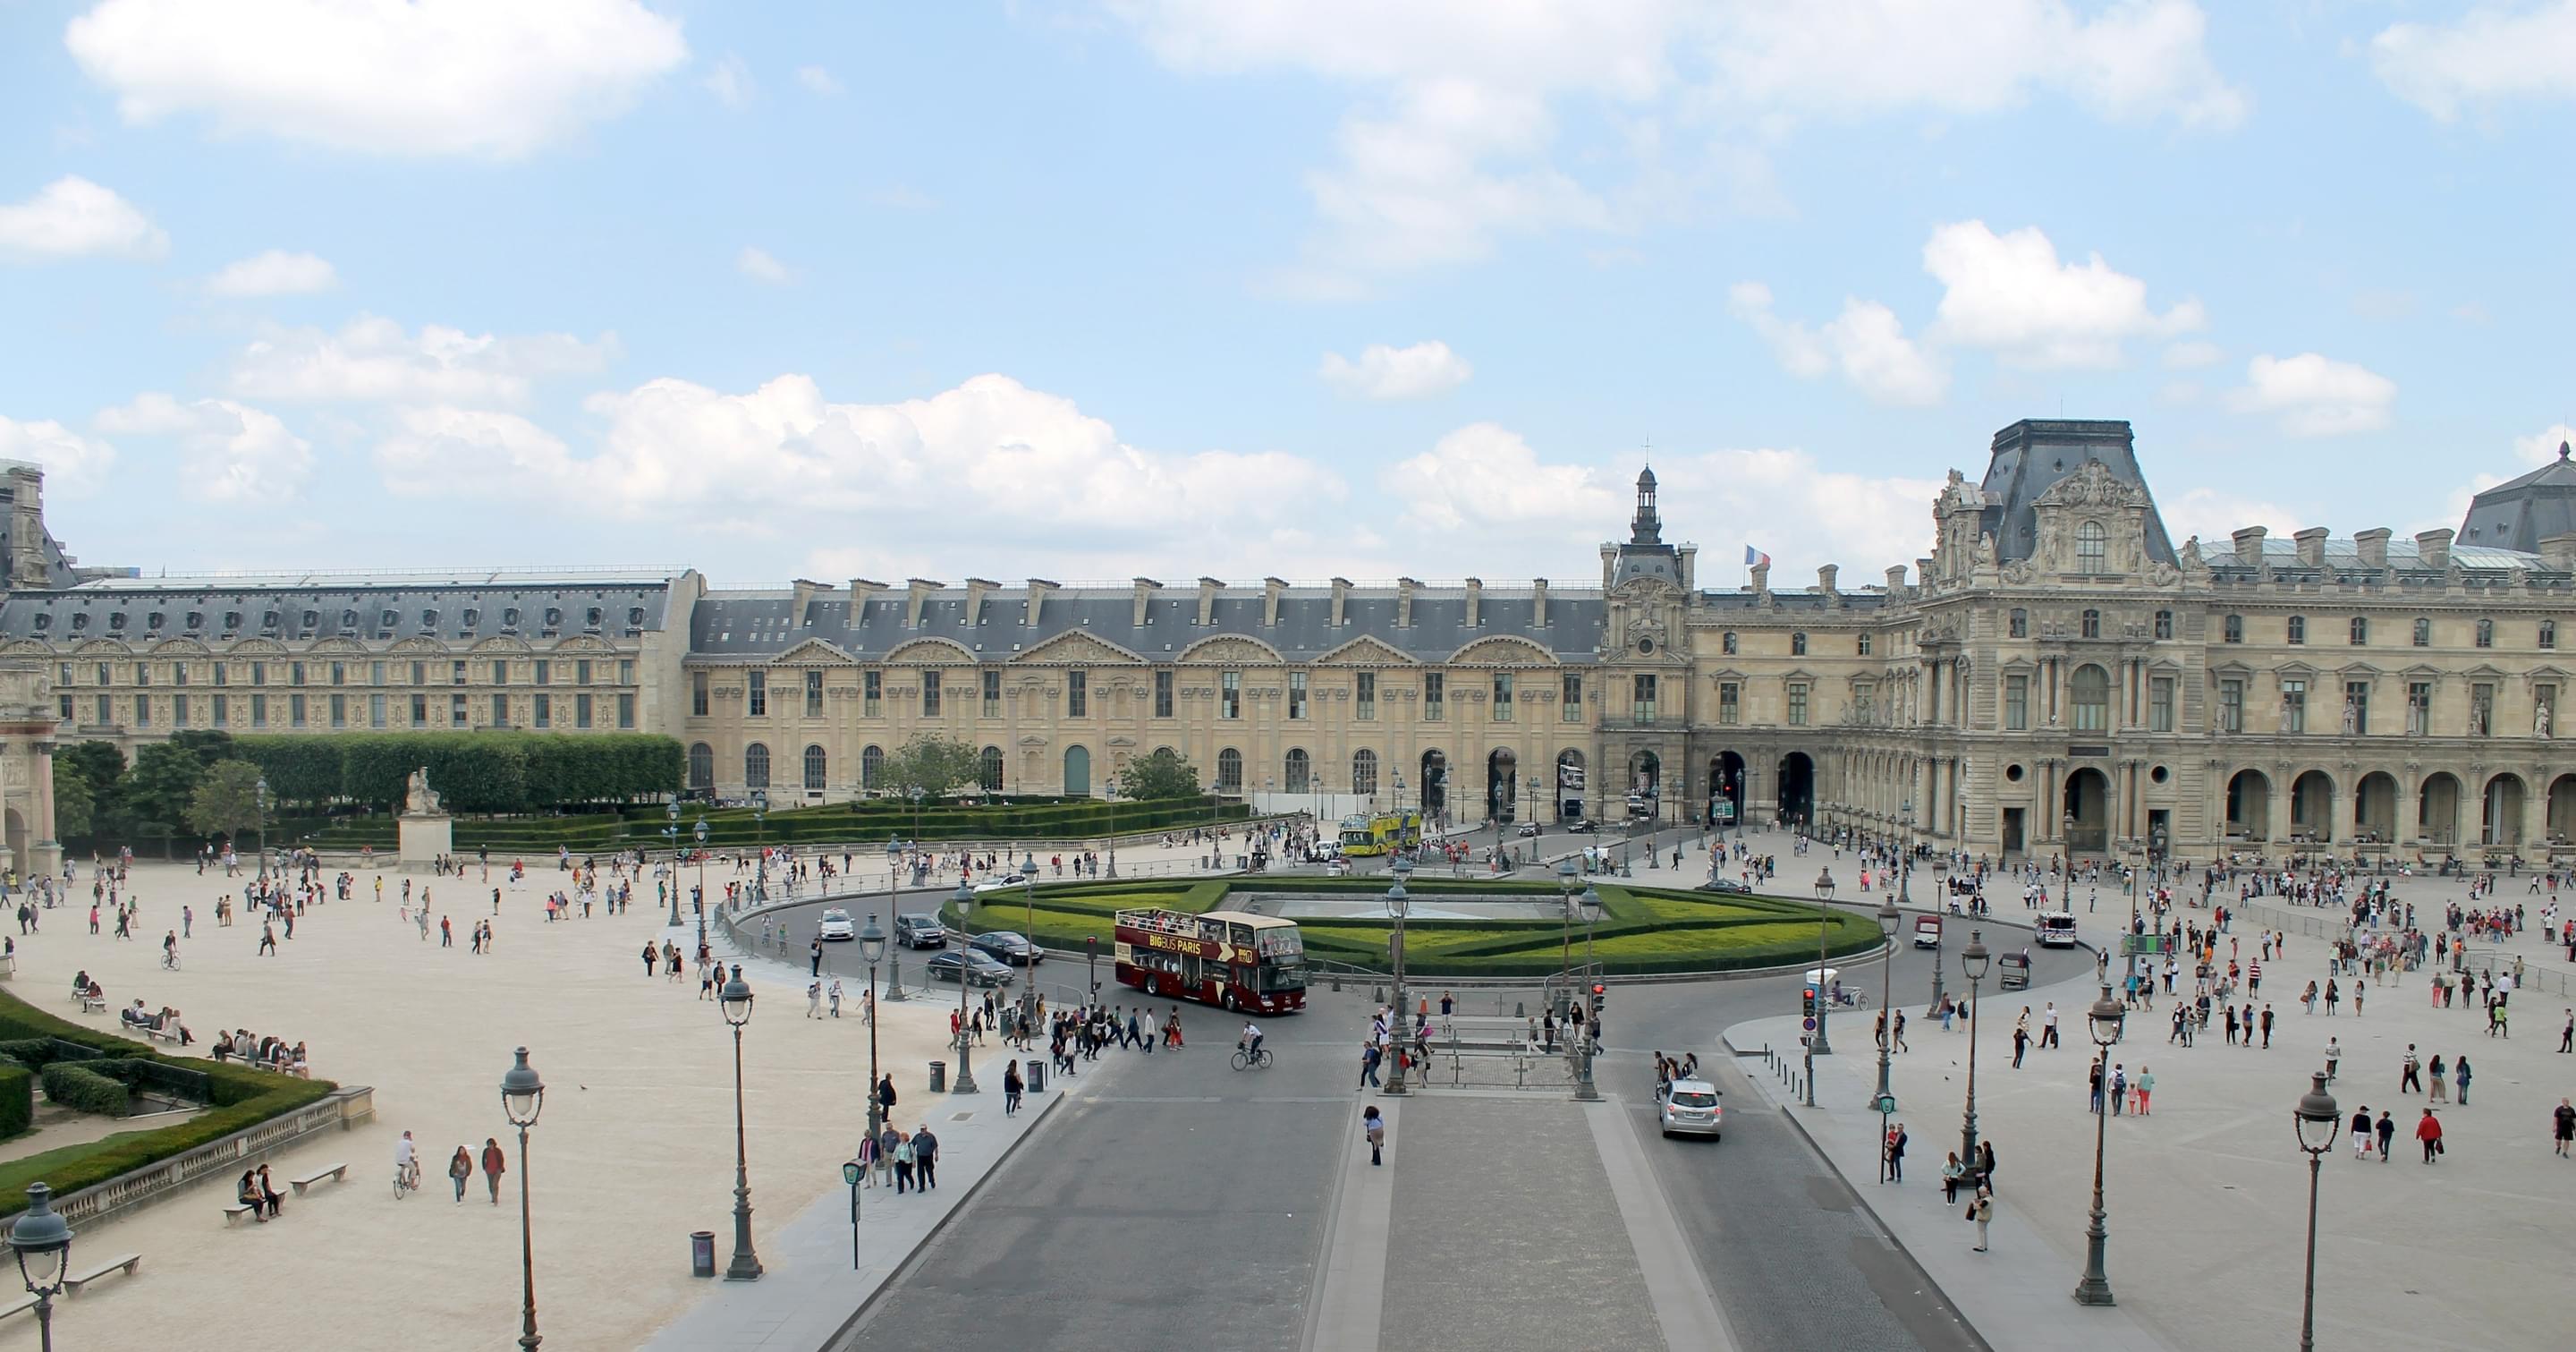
164, 783
227, 800
73, 804
99, 764
1164, 774
935, 765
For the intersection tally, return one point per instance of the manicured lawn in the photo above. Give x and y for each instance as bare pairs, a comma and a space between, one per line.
17, 1174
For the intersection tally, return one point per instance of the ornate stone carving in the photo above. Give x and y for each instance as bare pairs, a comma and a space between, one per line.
419, 799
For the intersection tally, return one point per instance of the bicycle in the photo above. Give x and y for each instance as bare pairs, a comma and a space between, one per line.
406, 1179
1247, 1060
170, 962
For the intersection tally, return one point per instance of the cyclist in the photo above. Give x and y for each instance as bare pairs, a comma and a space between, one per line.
1251, 1043
170, 950
406, 1164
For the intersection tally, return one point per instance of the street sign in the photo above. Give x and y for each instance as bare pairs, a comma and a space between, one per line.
1886, 1104
1808, 1024
1725, 810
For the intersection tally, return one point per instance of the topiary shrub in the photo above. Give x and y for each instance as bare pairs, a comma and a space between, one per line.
17, 1099
75, 1085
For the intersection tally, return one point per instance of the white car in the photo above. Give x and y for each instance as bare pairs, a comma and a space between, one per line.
1014, 878
836, 925
1690, 1108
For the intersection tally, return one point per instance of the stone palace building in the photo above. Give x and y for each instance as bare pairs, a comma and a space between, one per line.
2057, 675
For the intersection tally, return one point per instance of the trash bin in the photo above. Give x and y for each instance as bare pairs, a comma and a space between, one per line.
1037, 1074
939, 1077
702, 1253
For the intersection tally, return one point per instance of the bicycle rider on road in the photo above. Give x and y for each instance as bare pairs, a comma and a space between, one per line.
406, 1167
1251, 1043
170, 949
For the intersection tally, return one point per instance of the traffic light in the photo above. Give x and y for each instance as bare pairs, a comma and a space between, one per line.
1091, 945
1809, 1011
1598, 992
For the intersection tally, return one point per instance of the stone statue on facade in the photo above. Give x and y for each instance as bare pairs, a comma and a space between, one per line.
420, 800
2351, 716
2540, 721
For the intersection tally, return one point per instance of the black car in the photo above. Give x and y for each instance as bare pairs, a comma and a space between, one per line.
1008, 946
1727, 885
975, 967
920, 931
1583, 826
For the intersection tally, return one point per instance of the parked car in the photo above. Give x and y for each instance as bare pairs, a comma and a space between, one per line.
1528, 829
968, 965
1014, 878
1008, 946
1583, 826
1690, 1108
1726, 885
920, 931
836, 925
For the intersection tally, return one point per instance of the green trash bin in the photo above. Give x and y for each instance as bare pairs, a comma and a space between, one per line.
939, 1077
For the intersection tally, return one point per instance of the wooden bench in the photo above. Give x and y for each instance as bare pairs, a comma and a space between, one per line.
335, 1172
234, 1211
126, 1263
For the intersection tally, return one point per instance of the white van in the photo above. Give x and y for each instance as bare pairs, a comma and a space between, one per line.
2057, 929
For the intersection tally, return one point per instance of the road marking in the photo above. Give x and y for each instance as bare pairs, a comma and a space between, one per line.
1679, 1291
1348, 1307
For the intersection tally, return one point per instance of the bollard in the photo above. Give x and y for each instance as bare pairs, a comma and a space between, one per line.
1520, 1009
1377, 994
1337, 982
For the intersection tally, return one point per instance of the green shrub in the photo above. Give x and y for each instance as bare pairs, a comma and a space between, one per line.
74, 1085
17, 1099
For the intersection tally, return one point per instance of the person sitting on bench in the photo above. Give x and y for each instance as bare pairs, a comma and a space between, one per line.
247, 1193
223, 1046
134, 1016
168, 1021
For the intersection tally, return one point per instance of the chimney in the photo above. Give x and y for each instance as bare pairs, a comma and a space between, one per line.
1538, 602
1826, 575
27, 529
2249, 546
2312, 547
2434, 547
1341, 599
1038, 589
2373, 544
1896, 581
1145, 589
1761, 576
1208, 588
861, 590
917, 591
1271, 587
2560, 551
1690, 567
1405, 587
976, 589
1475, 601
804, 596
1609, 564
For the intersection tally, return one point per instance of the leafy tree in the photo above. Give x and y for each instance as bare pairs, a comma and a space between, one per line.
936, 765
206, 745
1164, 774
99, 764
299, 769
73, 804
227, 799
164, 782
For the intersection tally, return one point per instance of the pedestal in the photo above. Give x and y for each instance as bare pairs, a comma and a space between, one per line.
420, 838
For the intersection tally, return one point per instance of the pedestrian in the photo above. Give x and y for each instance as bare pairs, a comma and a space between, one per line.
1011, 1087
835, 995
2021, 1043
2441, 1080
2460, 1077
2048, 1026
2387, 1133
902, 1163
2562, 1125
2361, 1132
2095, 1078
1374, 1127
2408, 1080
925, 1158
2267, 1021
460, 1169
2567, 1035
2144, 1087
1982, 1211
818, 957
1952, 1174
1370, 1056
1896, 1153
2429, 1131
495, 1164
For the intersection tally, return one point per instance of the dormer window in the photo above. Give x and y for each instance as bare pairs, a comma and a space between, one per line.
554, 617
592, 618
268, 620
44, 621
196, 620
232, 620
313, 619
80, 621
429, 619
116, 621
510, 617
473, 617
388, 620
2091, 544
152, 622
635, 617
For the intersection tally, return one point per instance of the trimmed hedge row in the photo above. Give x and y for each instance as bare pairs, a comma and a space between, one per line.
74, 1084
730, 828
242, 1098
17, 1099
493, 771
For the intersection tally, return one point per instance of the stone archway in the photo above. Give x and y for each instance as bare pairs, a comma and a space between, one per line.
1502, 785
2437, 808
2312, 806
2249, 805
2561, 820
1726, 789
2087, 800
2500, 821
1569, 785
2374, 807
1797, 779
1435, 786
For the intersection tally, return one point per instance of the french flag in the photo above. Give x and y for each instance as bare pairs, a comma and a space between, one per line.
1754, 557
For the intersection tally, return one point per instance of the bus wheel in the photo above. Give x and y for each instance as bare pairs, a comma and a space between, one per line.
1229, 1002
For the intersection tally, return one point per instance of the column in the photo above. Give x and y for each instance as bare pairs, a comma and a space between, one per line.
2535, 813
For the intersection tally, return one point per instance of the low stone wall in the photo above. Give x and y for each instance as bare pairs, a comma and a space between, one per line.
346, 1107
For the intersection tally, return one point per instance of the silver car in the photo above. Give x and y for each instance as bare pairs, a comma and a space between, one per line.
1691, 1108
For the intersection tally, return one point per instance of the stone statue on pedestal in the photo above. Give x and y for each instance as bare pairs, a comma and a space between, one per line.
420, 800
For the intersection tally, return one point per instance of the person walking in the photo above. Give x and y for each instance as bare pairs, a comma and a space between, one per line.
1012, 1086
460, 1170
2460, 1077
2267, 1027
903, 1163
2441, 1080
1370, 1057
2567, 1035
814, 1000
495, 1164
2048, 1026
2408, 1078
925, 1158
818, 957
2562, 1126
1982, 1211
1374, 1127
2429, 1131
2387, 1133
2144, 1087
2021, 1041
2361, 1132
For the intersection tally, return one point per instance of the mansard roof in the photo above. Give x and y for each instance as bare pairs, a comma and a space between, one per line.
460, 607
2520, 513
2032, 455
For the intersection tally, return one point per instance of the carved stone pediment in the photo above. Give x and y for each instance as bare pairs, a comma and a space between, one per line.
1076, 648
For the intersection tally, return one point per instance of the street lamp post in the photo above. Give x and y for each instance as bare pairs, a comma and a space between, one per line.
1567, 878
699, 905
671, 831
735, 1001
1819, 1044
872, 950
1584, 1091
523, 1096
1887, 922
2318, 1120
894, 956
1111, 789
965, 899
2066, 838
851, 1172
1397, 903
760, 847
1972, 963
42, 1239
1029, 955
2106, 1018
263, 825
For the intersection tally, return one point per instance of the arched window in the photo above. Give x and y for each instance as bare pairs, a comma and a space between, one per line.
2091, 692
1077, 771
1798, 645
1296, 773
2092, 624
1363, 772
2360, 631
755, 766
1229, 771
872, 768
2090, 541
989, 769
702, 766
815, 763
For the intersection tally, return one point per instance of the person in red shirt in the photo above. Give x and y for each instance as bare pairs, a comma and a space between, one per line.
2429, 1131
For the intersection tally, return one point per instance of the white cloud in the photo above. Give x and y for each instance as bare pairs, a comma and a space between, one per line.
730, 81
2490, 55
784, 459
1384, 372
756, 263
2216, 516
274, 273
2011, 294
1789, 504
72, 217
375, 360
419, 77
817, 80
2315, 396
2542, 447
2192, 354
1866, 343
228, 452
1485, 477
75, 465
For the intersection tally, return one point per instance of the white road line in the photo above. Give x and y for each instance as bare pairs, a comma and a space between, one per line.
1683, 1303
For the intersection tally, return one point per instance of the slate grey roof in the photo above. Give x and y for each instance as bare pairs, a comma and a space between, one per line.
2344, 556
1801, 602
756, 626
2520, 513
2032, 455
357, 605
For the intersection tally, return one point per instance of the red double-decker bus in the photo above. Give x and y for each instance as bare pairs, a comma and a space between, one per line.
1229, 958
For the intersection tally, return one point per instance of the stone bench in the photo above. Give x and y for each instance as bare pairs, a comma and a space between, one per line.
92, 1004
334, 1172
125, 1263
234, 1211
8, 965
152, 1034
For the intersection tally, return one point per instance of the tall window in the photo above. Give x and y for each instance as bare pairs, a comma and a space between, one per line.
1162, 694
1642, 699
2017, 625
2090, 540
2360, 636
2016, 704
1726, 643
2423, 633
2356, 704
2549, 633
1230, 700
2164, 625
702, 766
1570, 699
545, 711
2232, 629
2482, 710
2486, 633
758, 705
1862, 645
1435, 697
815, 764
755, 766
1798, 644
2294, 706
1730, 702
2090, 690
1229, 771
872, 768
988, 769
2419, 707
1502, 697
2160, 704
2296, 631
2231, 705
626, 712
813, 694
1077, 693
930, 694
500, 711
1297, 772
1363, 771
1364, 693
1296, 694
871, 694
1797, 704
500, 672
2092, 624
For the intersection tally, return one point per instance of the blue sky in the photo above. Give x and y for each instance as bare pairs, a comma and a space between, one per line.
1170, 287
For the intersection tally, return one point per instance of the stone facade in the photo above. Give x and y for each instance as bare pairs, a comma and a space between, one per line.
2056, 674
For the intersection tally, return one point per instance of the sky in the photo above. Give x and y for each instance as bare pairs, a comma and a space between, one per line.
1301, 288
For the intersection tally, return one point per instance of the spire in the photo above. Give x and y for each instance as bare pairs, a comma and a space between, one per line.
1648, 527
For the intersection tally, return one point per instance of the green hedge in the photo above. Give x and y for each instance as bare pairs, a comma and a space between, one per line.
872, 821
74, 1084
17, 1099
242, 1097
473, 771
